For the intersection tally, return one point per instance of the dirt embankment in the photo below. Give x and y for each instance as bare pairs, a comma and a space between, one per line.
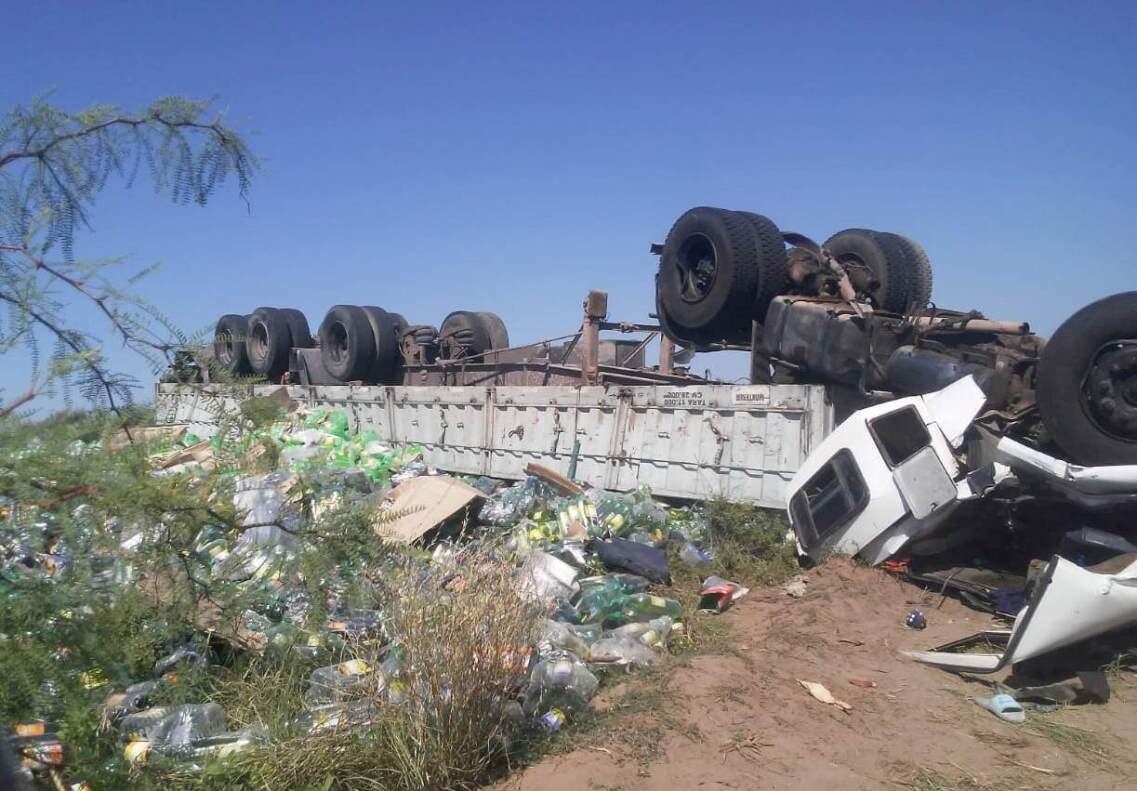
737, 717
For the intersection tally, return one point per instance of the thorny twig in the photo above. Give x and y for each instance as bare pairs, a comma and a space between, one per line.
68, 151
69, 340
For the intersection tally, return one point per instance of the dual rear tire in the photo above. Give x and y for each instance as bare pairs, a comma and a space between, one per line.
258, 344
719, 270
471, 334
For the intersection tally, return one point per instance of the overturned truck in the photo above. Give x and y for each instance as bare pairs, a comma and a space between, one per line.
857, 311
851, 319
979, 449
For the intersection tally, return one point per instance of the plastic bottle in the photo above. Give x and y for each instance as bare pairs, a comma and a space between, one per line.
134, 698
183, 656
600, 594
564, 637
563, 682
629, 583
695, 557
595, 604
334, 716
621, 651
654, 633
639, 607
613, 511
552, 720
222, 745
337, 683
564, 612
576, 516
167, 728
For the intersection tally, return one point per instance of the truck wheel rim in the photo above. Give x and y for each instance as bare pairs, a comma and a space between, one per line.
337, 342
1110, 390
225, 348
697, 267
258, 341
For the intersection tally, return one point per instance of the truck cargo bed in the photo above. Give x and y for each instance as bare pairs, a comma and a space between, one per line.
744, 442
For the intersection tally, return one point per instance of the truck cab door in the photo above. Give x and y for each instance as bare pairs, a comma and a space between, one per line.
918, 472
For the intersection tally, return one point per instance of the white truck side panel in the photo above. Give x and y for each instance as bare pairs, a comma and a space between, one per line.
739, 441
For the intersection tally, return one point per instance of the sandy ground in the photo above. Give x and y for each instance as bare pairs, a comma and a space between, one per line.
737, 718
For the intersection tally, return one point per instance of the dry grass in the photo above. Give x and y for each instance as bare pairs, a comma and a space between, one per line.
464, 654
632, 723
922, 778
1080, 742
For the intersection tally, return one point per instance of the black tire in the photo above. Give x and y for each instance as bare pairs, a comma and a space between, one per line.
347, 343
709, 271
424, 334
499, 336
386, 331
298, 327
1087, 383
920, 269
773, 267
886, 259
229, 347
401, 324
467, 331
269, 343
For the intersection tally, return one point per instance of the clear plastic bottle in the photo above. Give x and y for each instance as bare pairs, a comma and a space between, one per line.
563, 682
347, 680
335, 716
565, 637
621, 651
168, 728
654, 633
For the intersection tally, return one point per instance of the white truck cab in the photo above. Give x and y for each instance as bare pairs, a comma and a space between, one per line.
886, 475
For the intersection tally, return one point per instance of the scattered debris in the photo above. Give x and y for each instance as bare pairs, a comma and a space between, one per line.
199, 454
1004, 707
559, 483
269, 498
797, 587
1090, 686
171, 434
824, 695
915, 620
631, 556
425, 504
1070, 604
719, 594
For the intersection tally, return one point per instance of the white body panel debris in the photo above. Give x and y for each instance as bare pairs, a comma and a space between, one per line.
1070, 604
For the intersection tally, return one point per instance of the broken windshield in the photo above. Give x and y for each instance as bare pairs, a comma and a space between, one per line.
832, 497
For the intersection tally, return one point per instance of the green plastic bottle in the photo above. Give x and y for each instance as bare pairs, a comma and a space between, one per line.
600, 595
599, 600
640, 607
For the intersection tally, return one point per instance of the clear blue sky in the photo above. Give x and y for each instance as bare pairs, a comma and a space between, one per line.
510, 156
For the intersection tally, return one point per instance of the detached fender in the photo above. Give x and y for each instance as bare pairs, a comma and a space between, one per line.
1070, 604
